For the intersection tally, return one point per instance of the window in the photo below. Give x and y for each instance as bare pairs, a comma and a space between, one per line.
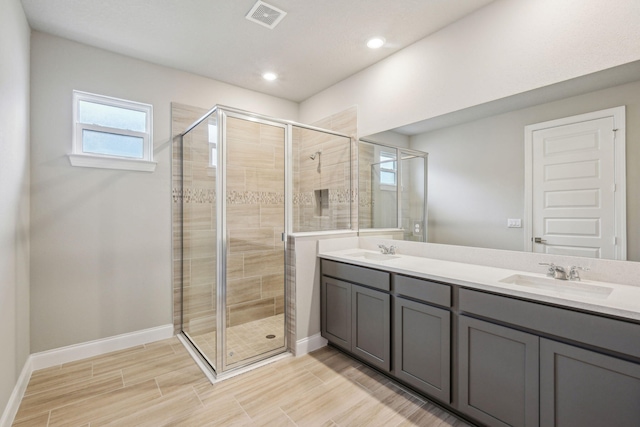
111, 133
387, 168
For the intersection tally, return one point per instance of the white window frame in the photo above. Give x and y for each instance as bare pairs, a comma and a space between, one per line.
394, 169
79, 158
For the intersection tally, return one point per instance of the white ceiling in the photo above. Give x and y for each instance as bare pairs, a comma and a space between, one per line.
317, 44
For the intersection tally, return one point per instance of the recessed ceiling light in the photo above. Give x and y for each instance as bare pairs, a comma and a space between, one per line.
376, 42
270, 76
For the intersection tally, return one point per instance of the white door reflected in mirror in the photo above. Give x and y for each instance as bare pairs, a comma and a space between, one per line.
576, 188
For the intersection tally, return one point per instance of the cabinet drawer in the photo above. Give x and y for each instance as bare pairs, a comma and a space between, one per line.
352, 273
614, 335
423, 290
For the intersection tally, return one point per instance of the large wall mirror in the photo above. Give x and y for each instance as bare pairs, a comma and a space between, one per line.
476, 173
392, 191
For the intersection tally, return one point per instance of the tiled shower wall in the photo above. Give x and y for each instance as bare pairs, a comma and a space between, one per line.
332, 170
255, 220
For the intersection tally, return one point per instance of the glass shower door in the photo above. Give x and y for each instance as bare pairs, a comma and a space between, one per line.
199, 235
254, 212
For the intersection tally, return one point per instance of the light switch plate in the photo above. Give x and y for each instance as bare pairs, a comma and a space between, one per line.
514, 223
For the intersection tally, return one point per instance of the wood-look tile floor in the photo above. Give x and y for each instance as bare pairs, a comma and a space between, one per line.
158, 384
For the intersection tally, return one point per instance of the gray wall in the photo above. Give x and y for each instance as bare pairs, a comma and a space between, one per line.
14, 195
476, 177
101, 239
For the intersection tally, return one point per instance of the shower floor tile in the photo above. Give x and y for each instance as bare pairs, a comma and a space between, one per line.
244, 341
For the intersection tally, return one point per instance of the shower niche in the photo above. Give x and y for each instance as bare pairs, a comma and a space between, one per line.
242, 183
321, 202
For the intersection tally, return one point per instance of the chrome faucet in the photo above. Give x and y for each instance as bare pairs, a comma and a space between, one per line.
556, 271
391, 250
574, 274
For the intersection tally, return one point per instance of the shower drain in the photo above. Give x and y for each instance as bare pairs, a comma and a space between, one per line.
270, 336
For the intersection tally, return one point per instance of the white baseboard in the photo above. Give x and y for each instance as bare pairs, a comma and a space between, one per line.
13, 404
83, 350
75, 352
309, 344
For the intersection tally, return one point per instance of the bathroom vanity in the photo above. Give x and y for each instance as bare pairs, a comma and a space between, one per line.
507, 348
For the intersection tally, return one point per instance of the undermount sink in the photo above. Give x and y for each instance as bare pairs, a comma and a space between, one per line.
372, 255
559, 286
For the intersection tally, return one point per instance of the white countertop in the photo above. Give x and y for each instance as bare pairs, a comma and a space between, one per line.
623, 301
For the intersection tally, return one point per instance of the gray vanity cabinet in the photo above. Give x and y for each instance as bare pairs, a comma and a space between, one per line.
370, 326
579, 387
498, 374
354, 317
422, 343
336, 312
422, 335
517, 363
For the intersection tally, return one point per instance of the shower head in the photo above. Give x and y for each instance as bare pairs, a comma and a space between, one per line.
313, 156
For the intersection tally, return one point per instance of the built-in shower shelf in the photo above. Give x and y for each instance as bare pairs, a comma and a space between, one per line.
321, 202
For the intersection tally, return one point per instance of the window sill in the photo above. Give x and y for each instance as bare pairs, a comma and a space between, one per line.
89, 161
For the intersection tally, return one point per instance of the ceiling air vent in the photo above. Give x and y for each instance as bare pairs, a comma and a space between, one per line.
265, 14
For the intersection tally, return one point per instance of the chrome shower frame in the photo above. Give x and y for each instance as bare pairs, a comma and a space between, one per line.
220, 368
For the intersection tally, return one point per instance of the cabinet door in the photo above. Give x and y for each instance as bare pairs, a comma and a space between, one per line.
336, 312
371, 324
498, 374
422, 342
582, 388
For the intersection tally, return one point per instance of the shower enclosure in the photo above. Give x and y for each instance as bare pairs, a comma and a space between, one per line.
392, 186
242, 191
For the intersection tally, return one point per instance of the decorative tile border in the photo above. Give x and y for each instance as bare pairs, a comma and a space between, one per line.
204, 195
340, 195
193, 195
364, 200
254, 198
337, 195
303, 199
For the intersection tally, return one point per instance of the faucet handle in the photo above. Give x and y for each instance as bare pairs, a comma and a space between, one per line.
552, 268
574, 274
392, 249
